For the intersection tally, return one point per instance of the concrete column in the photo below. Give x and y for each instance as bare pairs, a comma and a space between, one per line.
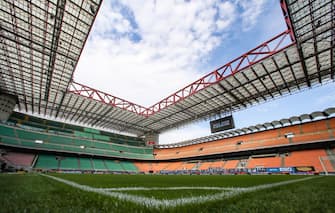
7, 104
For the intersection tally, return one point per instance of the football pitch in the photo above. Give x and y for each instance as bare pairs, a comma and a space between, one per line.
165, 193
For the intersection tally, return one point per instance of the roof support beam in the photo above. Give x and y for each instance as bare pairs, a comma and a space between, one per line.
252, 84
269, 75
303, 64
107, 111
54, 44
291, 69
232, 95
259, 78
314, 39
281, 75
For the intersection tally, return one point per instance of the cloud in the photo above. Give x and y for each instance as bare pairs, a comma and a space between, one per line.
143, 51
185, 133
251, 11
146, 51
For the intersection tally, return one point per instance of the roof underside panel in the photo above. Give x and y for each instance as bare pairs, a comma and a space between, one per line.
41, 42
40, 45
306, 63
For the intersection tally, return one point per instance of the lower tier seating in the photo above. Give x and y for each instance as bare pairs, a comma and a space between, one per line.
18, 159
318, 158
55, 162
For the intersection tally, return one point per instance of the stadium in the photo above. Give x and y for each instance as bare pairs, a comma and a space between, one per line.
65, 146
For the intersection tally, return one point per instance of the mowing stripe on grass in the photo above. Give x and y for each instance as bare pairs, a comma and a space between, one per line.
152, 202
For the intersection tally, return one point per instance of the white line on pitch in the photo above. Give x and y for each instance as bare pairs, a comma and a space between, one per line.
152, 202
172, 188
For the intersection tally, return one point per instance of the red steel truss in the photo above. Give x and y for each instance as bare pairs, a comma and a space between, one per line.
105, 98
264, 50
287, 18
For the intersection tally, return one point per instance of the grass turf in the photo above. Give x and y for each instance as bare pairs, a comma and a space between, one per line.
110, 181
33, 193
172, 194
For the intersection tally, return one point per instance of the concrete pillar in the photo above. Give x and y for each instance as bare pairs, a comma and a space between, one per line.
7, 104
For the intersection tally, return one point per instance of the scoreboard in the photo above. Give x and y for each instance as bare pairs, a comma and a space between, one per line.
222, 124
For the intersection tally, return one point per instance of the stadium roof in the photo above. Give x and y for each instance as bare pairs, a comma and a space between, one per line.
41, 42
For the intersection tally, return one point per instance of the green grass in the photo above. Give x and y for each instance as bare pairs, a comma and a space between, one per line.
34, 193
110, 181
173, 194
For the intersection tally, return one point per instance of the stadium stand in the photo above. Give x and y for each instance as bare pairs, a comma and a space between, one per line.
188, 165
47, 162
70, 163
303, 158
143, 167
19, 159
98, 164
32, 132
205, 165
308, 132
264, 162
309, 158
113, 165
128, 166
231, 164
23, 132
85, 164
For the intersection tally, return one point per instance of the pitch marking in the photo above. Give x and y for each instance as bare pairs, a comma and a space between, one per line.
227, 192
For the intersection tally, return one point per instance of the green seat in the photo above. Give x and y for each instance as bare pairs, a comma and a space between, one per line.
113, 165
89, 130
46, 162
119, 148
135, 150
101, 145
148, 151
82, 142
128, 166
60, 139
85, 164
73, 149
113, 153
7, 131
147, 157
12, 141
49, 146
101, 137
69, 163
98, 164
28, 135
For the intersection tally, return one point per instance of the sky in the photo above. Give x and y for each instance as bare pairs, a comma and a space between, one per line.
143, 51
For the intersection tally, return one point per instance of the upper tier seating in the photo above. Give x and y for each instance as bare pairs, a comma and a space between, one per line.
31, 132
303, 133
292, 159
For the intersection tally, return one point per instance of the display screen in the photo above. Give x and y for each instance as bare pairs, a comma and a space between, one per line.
222, 124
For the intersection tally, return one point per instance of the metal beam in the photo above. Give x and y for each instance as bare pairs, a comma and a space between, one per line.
246, 60
60, 9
